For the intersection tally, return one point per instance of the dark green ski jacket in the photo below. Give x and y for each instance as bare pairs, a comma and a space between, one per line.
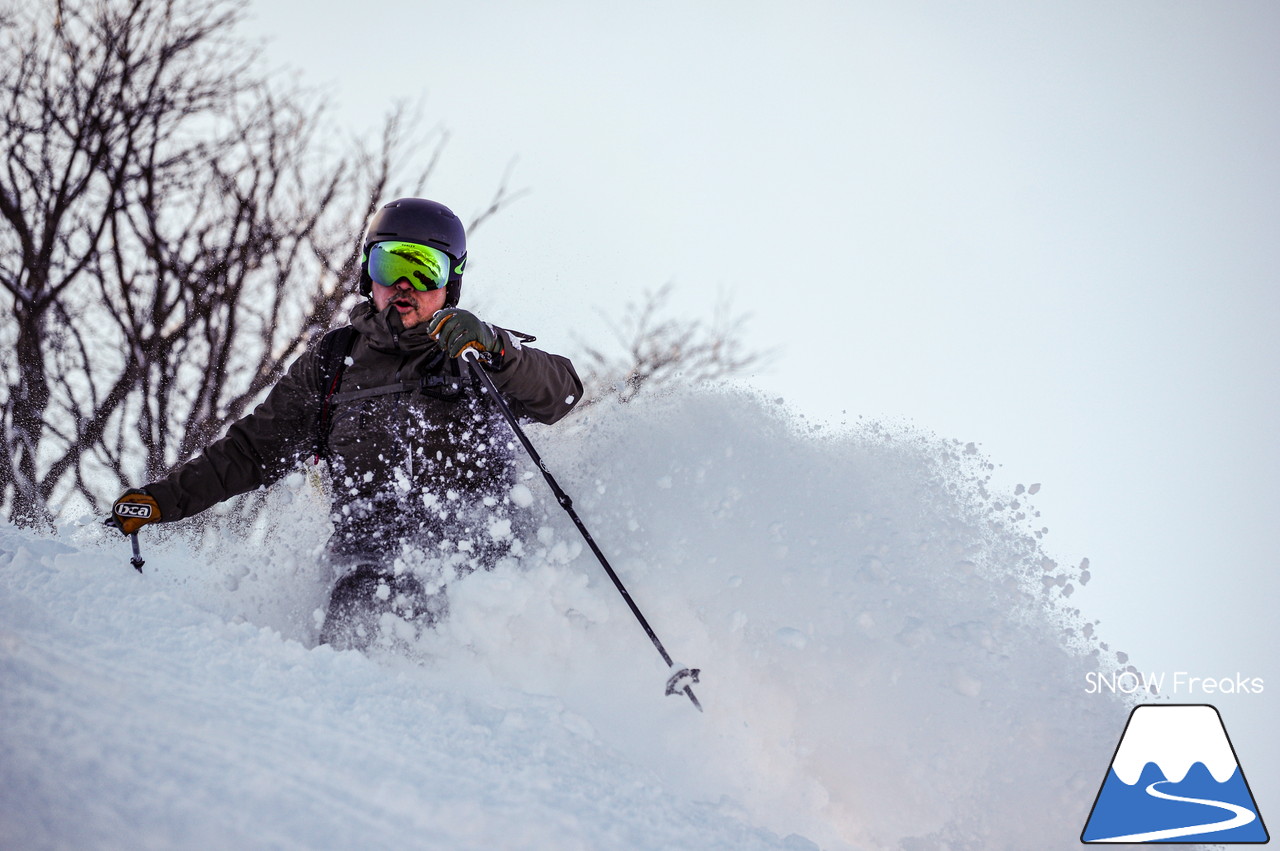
416, 453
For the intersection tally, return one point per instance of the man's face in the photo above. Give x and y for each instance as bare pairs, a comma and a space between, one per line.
413, 305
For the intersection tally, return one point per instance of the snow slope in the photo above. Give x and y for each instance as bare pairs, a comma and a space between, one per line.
889, 662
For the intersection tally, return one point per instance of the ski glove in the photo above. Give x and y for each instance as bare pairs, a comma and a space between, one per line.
457, 330
133, 510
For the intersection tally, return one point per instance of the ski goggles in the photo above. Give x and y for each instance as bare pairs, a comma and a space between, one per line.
424, 267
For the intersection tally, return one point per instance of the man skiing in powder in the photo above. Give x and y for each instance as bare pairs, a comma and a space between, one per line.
418, 457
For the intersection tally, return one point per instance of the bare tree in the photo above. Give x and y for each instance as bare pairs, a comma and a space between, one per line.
86, 103
173, 229
655, 349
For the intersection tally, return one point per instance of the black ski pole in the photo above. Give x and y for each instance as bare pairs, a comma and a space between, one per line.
681, 679
136, 561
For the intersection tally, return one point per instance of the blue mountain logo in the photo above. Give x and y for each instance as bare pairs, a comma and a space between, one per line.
1175, 778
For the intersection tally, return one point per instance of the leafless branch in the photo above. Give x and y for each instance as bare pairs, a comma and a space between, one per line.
655, 350
174, 228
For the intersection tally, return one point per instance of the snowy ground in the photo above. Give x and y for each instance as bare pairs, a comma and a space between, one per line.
889, 658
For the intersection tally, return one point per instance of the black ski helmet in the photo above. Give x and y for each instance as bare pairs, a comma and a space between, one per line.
426, 223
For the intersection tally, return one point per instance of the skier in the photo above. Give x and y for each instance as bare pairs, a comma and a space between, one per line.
418, 457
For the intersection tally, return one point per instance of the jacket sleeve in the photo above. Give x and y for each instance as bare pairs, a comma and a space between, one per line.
543, 386
258, 449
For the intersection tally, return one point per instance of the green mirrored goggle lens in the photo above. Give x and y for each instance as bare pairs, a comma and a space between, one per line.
425, 268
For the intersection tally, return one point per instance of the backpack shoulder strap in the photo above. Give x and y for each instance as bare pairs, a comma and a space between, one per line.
332, 353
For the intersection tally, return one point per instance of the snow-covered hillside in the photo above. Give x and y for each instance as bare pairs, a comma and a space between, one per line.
889, 662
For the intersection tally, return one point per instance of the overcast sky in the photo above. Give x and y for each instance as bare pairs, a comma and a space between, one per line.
1049, 228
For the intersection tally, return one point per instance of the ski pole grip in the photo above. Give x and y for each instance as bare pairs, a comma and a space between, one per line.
473, 352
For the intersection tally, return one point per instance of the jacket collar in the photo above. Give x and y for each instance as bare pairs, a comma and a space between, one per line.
385, 332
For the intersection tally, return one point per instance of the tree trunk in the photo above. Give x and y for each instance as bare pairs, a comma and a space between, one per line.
30, 401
